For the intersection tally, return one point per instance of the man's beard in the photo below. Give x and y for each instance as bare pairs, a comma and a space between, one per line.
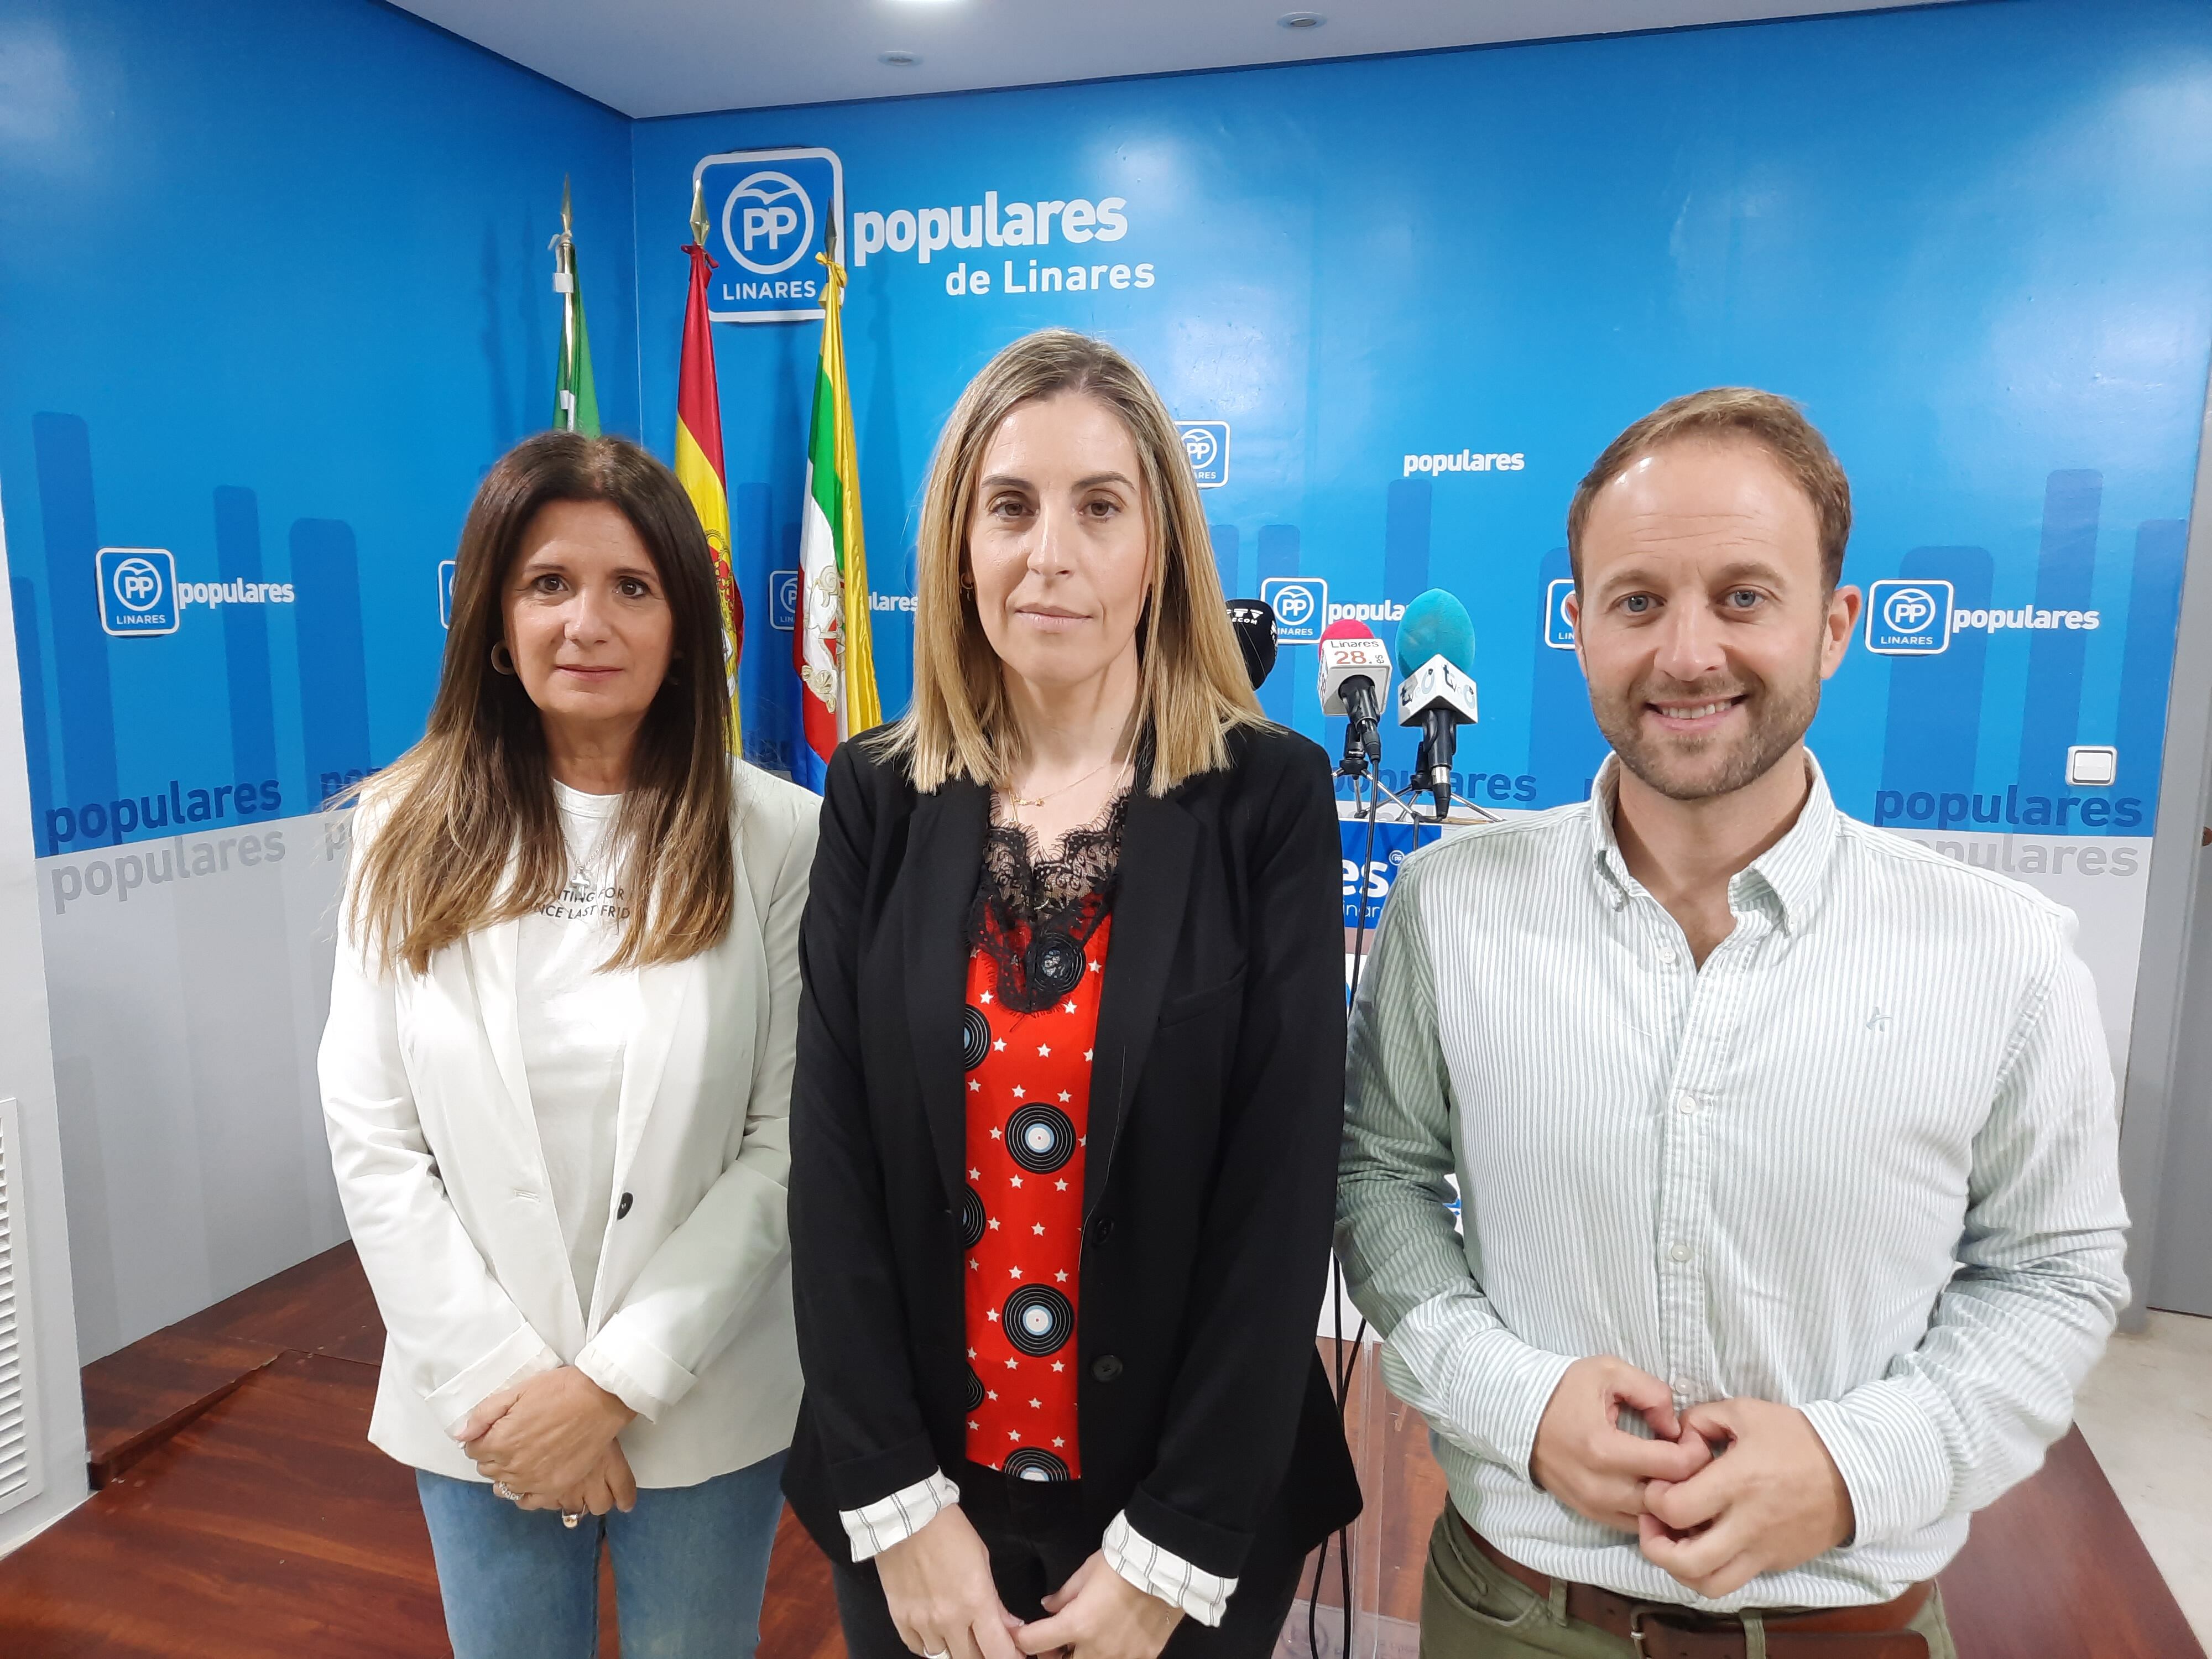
1700, 768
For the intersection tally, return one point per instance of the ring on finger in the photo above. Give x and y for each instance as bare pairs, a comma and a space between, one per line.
501, 1489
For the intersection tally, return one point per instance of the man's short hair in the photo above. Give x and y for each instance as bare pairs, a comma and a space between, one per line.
1775, 423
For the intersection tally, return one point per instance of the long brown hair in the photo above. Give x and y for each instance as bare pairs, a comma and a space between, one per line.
468, 833
1193, 690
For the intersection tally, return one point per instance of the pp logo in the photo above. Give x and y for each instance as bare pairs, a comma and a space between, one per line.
1301, 607
138, 591
1559, 626
774, 222
775, 209
445, 593
1908, 618
1207, 443
783, 599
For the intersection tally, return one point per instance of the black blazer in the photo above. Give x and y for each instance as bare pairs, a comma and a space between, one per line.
1210, 1173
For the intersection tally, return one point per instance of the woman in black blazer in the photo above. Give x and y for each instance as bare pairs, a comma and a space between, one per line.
1069, 1087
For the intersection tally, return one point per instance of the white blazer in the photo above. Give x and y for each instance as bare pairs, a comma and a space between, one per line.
435, 1147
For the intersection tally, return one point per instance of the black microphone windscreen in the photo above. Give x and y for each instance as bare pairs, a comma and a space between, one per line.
1254, 622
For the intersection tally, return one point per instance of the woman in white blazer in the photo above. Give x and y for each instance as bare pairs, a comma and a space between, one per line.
557, 1077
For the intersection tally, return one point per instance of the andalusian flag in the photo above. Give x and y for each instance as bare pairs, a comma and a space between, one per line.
575, 404
699, 452
833, 647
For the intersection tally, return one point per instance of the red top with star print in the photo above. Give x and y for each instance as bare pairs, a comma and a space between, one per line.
1038, 934
1029, 1107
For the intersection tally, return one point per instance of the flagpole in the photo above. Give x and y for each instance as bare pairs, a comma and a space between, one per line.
697, 459
859, 705
564, 280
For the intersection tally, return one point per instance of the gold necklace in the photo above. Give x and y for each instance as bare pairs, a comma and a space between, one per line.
1039, 801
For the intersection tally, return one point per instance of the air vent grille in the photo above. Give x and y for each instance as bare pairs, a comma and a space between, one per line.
18, 1470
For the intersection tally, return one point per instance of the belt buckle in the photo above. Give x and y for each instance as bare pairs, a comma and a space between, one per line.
1635, 1618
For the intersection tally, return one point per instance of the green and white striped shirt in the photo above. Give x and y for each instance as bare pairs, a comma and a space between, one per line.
1863, 1162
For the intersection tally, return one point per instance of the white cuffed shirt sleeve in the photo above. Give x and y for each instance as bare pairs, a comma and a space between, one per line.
1204, 1595
876, 1527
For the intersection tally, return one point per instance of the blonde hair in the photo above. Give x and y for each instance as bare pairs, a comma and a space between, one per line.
468, 834
1193, 691
1774, 422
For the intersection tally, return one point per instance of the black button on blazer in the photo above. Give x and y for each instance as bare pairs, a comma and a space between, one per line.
1210, 1173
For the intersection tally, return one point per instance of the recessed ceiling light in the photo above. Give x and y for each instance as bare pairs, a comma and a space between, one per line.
1300, 20
899, 59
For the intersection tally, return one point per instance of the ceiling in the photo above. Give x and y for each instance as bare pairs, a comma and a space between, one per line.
648, 58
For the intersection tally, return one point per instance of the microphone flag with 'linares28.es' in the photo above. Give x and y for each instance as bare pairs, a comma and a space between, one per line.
1436, 685
1355, 673
1254, 622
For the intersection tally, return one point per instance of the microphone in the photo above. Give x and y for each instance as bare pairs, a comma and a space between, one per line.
1254, 622
1355, 673
1436, 690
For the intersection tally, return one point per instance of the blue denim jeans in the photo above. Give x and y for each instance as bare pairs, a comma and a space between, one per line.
689, 1562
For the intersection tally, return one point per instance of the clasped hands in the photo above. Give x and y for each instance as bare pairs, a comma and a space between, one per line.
938, 1585
552, 1440
1722, 1493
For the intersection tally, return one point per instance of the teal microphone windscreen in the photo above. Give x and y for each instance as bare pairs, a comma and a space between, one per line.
1436, 625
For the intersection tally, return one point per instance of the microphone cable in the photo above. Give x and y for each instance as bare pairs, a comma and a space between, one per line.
1344, 1366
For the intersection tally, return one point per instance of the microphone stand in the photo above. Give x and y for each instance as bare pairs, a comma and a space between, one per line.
1369, 792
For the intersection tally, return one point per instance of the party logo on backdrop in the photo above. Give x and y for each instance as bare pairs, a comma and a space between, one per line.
773, 211
1559, 626
138, 591
1207, 443
1301, 607
1908, 618
783, 599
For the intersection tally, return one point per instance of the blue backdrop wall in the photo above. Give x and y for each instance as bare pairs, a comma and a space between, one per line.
275, 291
1975, 240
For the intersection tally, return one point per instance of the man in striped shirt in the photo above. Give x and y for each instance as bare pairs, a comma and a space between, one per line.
1787, 1148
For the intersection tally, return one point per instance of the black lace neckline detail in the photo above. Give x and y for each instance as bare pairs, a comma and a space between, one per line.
1033, 915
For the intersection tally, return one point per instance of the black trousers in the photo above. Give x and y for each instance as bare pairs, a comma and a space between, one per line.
1035, 1533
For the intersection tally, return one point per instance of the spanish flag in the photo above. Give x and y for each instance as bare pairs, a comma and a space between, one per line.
699, 453
833, 647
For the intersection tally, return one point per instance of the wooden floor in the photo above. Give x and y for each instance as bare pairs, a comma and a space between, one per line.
241, 1514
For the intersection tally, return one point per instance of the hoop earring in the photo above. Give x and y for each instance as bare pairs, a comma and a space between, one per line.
502, 659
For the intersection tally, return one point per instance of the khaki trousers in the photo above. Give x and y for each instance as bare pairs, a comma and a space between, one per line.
1470, 1610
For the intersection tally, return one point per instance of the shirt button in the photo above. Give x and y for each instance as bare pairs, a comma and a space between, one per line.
1687, 1104
1680, 1253
1106, 1367
1666, 956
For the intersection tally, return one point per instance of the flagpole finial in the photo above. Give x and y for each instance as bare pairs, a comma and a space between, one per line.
699, 212
567, 223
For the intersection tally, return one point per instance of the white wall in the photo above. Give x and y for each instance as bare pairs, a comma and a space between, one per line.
46, 1319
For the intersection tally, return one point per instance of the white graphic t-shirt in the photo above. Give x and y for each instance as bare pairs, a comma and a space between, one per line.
576, 1022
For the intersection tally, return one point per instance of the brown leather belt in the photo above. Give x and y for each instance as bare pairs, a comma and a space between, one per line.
1661, 1631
